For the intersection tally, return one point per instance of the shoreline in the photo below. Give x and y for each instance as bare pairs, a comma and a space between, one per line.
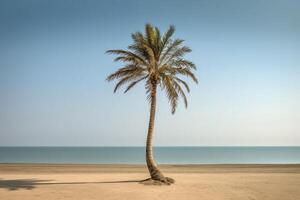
141, 168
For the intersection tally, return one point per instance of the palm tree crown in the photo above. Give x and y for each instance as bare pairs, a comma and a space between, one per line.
159, 61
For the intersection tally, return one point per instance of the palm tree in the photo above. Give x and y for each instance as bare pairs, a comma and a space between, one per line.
157, 60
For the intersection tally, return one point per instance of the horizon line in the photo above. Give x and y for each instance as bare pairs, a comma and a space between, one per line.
153, 146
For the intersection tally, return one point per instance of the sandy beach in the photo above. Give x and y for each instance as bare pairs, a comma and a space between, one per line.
49, 181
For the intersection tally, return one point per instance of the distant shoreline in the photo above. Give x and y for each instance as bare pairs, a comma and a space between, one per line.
141, 168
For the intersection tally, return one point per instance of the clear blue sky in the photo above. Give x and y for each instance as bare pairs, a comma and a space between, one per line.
53, 67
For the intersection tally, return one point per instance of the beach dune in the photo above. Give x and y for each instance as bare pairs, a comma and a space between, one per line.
51, 181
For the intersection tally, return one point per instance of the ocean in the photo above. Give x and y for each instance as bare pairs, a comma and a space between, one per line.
163, 155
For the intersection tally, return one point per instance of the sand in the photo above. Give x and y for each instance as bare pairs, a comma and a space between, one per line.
107, 182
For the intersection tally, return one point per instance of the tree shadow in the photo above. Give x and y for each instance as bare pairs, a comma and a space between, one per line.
20, 184
29, 184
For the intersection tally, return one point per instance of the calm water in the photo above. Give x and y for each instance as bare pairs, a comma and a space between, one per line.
164, 155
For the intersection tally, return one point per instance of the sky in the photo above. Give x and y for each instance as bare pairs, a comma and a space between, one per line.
53, 68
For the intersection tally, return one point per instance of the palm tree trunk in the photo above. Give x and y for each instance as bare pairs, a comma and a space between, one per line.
155, 173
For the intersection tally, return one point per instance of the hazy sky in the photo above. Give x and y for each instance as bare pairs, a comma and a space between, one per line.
53, 67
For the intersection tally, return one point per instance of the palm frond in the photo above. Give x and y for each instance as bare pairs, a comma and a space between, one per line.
167, 36
132, 84
184, 63
150, 35
178, 53
183, 71
125, 71
183, 83
132, 77
171, 92
180, 92
169, 49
